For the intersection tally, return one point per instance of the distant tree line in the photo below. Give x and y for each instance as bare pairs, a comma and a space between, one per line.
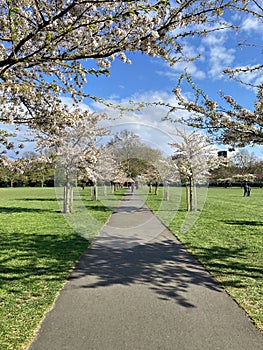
134, 159
242, 167
29, 170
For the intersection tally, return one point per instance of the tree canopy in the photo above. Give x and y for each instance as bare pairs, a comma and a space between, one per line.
233, 124
230, 121
135, 157
49, 48
194, 157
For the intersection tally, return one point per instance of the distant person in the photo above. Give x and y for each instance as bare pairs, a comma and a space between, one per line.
246, 189
132, 187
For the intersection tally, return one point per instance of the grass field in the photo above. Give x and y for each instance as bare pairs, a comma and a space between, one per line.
38, 250
227, 238
39, 247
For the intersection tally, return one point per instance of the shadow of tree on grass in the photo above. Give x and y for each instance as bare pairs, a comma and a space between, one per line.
37, 257
244, 222
10, 210
229, 263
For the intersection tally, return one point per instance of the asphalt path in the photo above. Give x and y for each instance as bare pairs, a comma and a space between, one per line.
137, 288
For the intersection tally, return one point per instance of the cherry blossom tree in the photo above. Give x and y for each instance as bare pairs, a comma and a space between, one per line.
74, 148
194, 158
169, 173
38, 167
119, 176
234, 125
13, 169
49, 48
226, 119
105, 169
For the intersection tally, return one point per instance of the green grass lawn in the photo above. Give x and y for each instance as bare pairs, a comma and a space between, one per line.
227, 239
38, 250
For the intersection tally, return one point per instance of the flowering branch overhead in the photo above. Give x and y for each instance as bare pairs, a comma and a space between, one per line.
235, 125
49, 48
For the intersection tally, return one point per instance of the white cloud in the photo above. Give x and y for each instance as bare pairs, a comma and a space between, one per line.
252, 24
219, 58
147, 122
215, 39
217, 53
180, 67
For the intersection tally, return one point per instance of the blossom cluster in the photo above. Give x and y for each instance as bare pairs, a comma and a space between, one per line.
48, 48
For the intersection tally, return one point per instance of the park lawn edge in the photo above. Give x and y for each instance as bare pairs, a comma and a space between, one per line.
236, 293
23, 212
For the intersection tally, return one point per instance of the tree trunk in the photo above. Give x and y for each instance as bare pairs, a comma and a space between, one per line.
166, 192
191, 195
187, 197
95, 192
68, 198
156, 188
195, 197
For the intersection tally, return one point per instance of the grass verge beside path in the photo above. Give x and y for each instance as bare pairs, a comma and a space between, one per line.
228, 240
38, 250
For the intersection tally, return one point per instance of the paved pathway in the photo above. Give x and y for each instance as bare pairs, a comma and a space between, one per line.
137, 288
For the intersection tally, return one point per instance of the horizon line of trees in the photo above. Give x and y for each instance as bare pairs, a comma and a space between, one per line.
35, 170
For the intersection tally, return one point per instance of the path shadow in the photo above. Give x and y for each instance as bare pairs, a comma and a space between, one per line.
165, 267
99, 208
127, 209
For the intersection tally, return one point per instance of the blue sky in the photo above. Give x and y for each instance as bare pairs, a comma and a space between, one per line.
151, 79
218, 50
